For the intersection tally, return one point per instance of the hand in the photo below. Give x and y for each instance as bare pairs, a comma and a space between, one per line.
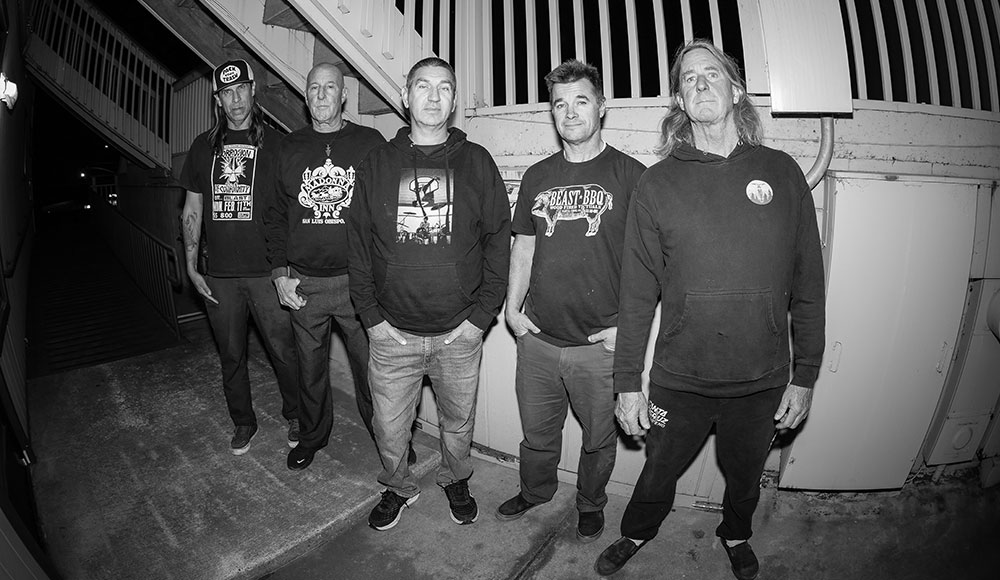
201, 285
384, 330
466, 329
794, 407
519, 323
286, 285
608, 336
632, 412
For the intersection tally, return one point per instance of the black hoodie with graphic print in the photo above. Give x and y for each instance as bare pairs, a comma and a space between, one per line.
731, 247
429, 236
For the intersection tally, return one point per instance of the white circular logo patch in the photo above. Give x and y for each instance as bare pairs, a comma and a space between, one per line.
229, 74
759, 192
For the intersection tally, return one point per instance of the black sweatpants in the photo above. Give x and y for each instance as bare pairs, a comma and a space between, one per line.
680, 424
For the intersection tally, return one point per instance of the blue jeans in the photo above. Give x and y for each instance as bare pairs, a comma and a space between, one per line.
680, 423
238, 298
327, 300
549, 380
396, 375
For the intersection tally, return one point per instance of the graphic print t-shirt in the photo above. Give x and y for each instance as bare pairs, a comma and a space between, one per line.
233, 186
316, 177
425, 209
577, 213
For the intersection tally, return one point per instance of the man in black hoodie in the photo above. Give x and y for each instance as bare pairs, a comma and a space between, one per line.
723, 232
307, 251
429, 236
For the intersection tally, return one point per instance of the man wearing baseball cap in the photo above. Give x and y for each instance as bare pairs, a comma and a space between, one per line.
226, 174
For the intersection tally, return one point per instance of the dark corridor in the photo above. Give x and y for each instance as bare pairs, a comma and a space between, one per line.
83, 308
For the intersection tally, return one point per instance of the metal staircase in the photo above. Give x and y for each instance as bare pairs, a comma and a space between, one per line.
104, 77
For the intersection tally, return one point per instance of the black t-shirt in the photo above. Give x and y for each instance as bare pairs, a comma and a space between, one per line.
315, 175
577, 213
234, 186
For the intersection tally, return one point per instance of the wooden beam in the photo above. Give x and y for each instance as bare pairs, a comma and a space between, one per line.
203, 34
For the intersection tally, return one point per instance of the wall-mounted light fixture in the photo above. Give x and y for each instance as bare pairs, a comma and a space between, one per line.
9, 92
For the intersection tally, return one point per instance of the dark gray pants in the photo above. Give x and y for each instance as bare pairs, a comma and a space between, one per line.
327, 301
239, 298
549, 380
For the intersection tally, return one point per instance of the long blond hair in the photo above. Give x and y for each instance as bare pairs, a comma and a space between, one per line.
676, 125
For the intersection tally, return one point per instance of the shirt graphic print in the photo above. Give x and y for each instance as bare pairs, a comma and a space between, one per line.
232, 183
573, 202
424, 214
326, 190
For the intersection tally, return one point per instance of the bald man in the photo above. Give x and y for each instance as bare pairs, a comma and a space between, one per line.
307, 251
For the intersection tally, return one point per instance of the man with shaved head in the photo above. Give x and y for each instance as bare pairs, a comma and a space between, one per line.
307, 250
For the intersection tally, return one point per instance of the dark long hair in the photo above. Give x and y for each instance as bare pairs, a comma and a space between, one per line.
676, 125
217, 134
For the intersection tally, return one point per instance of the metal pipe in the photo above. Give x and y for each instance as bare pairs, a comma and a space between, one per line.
822, 162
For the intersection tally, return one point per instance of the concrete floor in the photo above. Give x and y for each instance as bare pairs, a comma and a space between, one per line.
948, 530
135, 481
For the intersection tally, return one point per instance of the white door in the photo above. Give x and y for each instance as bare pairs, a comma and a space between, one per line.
900, 257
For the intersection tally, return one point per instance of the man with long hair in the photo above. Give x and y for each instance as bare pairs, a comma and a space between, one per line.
723, 233
565, 270
227, 174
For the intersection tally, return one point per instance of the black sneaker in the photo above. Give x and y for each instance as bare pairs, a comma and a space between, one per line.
240, 443
616, 555
742, 559
388, 511
293, 433
591, 526
513, 508
299, 458
463, 506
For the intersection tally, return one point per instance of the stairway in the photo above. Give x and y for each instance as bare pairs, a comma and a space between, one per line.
83, 308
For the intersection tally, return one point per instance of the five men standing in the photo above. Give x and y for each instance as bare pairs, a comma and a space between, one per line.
722, 232
228, 174
565, 269
307, 251
427, 300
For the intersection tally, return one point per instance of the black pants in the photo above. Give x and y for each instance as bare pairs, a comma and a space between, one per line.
238, 299
327, 300
680, 424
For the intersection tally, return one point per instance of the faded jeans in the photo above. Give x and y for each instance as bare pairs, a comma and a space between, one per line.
396, 374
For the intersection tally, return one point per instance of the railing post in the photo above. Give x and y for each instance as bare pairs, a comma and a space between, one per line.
470, 46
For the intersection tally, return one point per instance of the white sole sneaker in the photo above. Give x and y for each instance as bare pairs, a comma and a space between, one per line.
399, 514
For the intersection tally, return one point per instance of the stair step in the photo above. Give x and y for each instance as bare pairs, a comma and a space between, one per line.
84, 309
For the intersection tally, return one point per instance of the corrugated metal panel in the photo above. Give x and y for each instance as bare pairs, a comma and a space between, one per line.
191, 115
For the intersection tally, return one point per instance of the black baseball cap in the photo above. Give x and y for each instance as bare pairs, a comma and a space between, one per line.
231, 73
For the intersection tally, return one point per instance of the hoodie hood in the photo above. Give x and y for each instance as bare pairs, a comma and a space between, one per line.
688, 153
402, 141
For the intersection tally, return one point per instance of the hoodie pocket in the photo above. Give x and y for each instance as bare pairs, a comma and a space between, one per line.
423, 296
722, 336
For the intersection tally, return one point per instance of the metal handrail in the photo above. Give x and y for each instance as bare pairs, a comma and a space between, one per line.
149, 261
174, 276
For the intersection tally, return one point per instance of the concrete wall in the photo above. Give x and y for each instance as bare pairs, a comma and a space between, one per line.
879, 138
